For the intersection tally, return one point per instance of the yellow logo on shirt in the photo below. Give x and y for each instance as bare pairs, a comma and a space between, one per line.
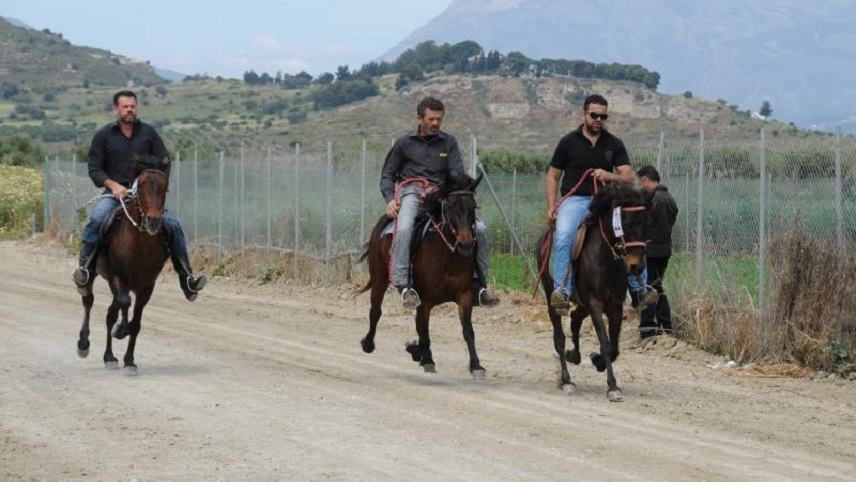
443, 154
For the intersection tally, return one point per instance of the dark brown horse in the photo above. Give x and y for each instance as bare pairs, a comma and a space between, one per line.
443, 268
130, 259
600, 277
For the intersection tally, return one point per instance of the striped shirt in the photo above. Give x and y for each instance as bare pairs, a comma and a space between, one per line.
436, 158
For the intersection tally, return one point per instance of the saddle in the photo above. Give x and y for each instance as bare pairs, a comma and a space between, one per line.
580, 240
421, 227
109, 220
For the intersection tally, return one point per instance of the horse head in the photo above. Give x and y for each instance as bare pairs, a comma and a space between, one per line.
457, 209
622, 213
152, 184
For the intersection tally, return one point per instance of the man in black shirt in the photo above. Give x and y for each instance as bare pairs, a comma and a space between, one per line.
664, 211
110, 167
426, 159
590, 146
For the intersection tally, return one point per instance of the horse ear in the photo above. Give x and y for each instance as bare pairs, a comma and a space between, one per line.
473, 185
165, 163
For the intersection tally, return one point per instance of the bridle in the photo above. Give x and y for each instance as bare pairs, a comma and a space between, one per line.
133, 196
444, 219
620, 245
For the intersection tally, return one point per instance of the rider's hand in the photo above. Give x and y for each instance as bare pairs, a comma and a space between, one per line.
551, 214
119, 191
602, 175
392, 209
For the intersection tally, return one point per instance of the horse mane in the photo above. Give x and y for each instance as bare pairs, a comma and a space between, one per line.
618, 194
144, 162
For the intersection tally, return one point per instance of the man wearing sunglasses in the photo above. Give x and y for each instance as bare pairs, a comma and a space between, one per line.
590, 146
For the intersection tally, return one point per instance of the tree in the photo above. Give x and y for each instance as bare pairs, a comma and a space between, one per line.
766, 109
251, 77
342, 73
326, 78
688, 94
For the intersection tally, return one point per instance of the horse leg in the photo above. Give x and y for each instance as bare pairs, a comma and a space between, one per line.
603, 360
465, 313
614, 314
421, 350
577, 318
120, 331
378, 292
83, 340
134, 326
110, 361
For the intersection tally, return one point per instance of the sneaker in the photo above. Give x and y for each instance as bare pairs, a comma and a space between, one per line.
561, 302
192, 286
410, 298
487, 297
649, 297
648, 332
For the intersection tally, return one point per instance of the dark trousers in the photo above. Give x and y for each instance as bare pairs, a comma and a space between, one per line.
661, 314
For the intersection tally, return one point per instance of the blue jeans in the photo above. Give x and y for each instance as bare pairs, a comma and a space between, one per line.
105, 205
572, 212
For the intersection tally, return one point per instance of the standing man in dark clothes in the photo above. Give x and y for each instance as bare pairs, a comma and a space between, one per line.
657, 318
423, 160
110, 167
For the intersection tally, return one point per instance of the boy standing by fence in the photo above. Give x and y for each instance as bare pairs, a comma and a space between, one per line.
657, 318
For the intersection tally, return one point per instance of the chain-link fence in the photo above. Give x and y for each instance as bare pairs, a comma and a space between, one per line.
321, 202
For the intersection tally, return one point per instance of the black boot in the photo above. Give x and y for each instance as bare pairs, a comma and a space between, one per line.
190, 286
83, 273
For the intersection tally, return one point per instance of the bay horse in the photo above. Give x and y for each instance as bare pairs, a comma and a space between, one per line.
442, 271
608, 255
130, 259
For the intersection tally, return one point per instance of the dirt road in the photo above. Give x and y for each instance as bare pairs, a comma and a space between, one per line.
269, 382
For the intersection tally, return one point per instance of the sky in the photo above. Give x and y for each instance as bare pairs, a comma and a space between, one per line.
219, 37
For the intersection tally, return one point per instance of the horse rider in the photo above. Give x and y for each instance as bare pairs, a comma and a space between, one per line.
589, 148
110, 167
424, 160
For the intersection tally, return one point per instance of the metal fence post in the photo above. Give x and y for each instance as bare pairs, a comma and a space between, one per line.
220, 210
242, 203
513, 226
296, 209
699, 215
660, 152
363, 195
839, 213
46, 201
762, 236
269, 204
237, 197
195, 196
328, 241
474, 145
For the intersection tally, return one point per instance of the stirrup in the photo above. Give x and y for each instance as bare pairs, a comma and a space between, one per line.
490, 301
560, 301
410, 298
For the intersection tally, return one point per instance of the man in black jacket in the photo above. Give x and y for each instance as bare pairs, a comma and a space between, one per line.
111, 167
657, 318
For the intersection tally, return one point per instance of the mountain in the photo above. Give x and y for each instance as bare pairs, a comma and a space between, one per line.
170, 75
44, 60
18, 23
791, 53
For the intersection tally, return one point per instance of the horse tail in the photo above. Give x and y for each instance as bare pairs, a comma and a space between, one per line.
543, 250
376, 233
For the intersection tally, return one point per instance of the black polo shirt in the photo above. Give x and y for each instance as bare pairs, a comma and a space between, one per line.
436, 158
110, 152
575, 155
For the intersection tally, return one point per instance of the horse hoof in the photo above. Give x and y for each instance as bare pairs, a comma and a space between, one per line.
573, 356
83, 348
479, 374
598, 362
429, 368
413, 348
111, 365
615, 395
130, 370
569, 388
120, 331
83, 353
368, 346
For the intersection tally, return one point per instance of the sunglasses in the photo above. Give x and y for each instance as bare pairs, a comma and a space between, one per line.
596, 116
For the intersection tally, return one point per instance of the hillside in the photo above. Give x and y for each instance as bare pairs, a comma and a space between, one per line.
43, 60
517, 113
789, 52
